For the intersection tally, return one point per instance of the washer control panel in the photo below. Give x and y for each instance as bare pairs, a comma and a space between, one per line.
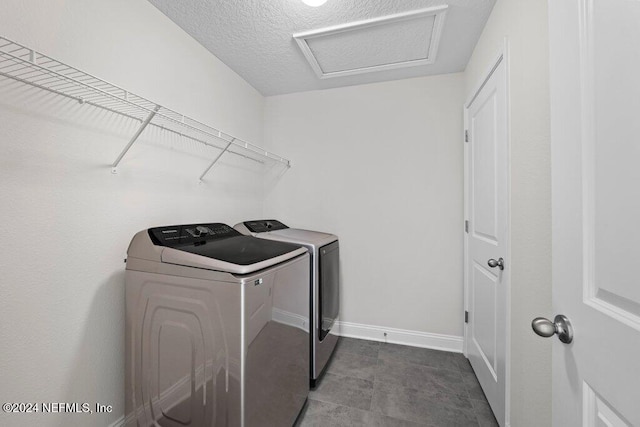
264, 225
179, 235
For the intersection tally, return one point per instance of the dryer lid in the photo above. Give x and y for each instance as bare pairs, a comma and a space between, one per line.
219, 247
308, 238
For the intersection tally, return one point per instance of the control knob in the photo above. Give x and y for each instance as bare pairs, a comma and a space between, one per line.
202, 230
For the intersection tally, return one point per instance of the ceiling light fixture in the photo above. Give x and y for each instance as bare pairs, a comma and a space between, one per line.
314, 3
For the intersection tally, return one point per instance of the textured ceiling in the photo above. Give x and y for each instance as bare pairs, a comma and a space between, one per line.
254, 37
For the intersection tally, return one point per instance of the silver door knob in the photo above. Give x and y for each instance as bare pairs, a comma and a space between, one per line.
493, 263
560, 326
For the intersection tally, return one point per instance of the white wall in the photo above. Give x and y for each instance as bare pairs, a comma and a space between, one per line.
524, 22
66, 220
380, 165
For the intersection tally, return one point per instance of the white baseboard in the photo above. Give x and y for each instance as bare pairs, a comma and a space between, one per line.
399, 336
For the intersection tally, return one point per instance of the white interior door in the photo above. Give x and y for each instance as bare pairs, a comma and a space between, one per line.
486, 238
595, 137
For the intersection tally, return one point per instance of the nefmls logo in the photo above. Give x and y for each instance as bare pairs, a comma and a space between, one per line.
59, 407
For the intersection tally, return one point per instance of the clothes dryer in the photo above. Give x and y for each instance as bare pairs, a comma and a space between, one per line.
217, 328
324, 285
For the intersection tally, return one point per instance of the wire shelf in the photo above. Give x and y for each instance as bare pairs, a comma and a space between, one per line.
28, 66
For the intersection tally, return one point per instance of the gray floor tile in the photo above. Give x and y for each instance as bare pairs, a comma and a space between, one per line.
463, 364
387, 385
323, 414
484, 414
347, 391
419, 356
415, 405
361, 347
431, 380
353, 365
473, 386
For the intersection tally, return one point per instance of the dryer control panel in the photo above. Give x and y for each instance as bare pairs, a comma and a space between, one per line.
179, 235
264, 225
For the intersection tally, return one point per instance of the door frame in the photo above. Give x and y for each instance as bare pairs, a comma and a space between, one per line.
502, 56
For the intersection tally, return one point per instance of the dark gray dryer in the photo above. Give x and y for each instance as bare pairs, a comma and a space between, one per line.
324, 285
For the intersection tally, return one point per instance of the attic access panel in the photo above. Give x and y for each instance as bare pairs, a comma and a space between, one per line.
395, 41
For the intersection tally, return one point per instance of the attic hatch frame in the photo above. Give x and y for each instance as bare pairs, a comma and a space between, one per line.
28, 66
439, 14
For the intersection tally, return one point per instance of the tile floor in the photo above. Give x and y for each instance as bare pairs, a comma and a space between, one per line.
376, 384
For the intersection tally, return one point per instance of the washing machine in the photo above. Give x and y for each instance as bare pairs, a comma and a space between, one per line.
217, 328
324, 284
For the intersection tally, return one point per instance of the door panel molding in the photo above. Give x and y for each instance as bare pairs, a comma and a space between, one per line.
489, 355
597, 412
596, 293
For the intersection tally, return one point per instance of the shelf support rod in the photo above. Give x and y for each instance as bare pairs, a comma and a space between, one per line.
216, 159
145, 123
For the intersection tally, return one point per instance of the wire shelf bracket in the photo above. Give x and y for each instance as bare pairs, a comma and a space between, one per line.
114, 166
33, 68
215, 160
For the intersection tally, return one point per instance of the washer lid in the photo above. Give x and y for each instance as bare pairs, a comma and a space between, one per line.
219, 247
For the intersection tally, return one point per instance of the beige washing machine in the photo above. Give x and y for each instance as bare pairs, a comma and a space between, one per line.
217, 328
324, 284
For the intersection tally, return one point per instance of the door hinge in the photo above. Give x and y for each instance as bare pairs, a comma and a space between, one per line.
466, 316
466, 226
466, 136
